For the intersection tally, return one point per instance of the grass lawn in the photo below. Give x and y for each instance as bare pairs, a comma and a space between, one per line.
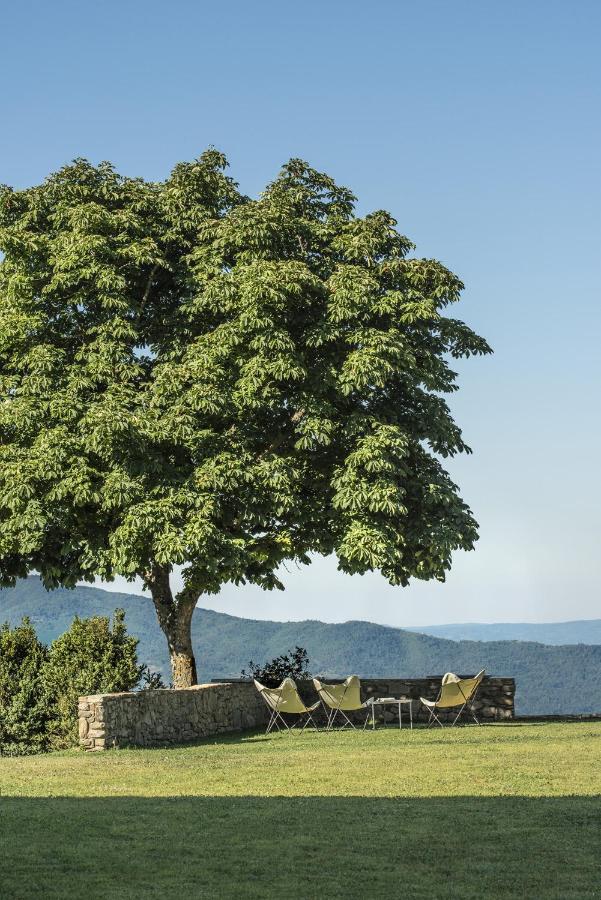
511, 810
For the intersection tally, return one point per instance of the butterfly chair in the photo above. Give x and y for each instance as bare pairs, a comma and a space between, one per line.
285, 700
454, 692
341, 698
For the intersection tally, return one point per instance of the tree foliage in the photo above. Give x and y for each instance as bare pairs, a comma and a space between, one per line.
191, 377
293, 664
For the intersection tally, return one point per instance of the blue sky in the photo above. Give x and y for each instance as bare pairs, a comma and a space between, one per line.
477, 125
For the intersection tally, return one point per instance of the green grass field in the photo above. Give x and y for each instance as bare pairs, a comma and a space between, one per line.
510, 810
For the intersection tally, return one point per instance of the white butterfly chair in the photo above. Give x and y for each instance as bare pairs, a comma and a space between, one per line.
285, 700
454, 692
341, 698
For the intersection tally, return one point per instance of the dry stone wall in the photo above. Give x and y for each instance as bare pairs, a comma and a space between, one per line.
164, 717
159, 718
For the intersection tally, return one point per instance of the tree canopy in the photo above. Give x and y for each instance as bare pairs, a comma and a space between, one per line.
190, 377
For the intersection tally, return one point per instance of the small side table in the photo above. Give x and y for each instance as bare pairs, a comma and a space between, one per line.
391, 701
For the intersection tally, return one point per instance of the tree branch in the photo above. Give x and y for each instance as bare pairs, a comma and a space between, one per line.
294, 420
146, 293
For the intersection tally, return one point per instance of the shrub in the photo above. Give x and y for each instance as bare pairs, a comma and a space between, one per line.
151, 680
23, 698
293, 664
89, 658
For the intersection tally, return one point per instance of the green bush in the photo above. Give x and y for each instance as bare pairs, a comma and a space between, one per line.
89, 658
24, 708
151, 680
39, 687
294, 664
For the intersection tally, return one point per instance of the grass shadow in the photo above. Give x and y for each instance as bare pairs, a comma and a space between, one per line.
299, 847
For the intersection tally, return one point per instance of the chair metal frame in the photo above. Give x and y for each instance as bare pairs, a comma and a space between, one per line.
466, 701
331, 712
277, 717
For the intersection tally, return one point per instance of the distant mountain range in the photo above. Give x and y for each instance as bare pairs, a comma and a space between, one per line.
550, 679
583, 631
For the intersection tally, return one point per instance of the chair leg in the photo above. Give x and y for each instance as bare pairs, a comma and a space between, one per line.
284, 722
435, 717
327, 713
272, 724
471, 712
333, 715
458, 715
346, 718
310, 719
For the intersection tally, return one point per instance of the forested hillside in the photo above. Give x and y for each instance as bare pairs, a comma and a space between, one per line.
550, 679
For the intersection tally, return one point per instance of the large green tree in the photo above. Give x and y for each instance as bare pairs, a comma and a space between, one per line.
190, 377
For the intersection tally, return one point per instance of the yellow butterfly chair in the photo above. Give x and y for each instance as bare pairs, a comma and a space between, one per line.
285, 700
341, 698
454, 692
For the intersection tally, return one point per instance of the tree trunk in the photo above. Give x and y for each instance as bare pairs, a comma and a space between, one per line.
175, 619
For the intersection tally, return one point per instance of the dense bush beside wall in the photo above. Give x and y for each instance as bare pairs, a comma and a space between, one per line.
23, 699
40, 686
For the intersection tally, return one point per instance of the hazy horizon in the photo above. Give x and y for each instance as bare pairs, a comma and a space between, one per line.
120, 586
253, 603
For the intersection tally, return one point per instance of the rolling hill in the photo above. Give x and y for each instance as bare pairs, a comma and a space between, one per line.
550, 679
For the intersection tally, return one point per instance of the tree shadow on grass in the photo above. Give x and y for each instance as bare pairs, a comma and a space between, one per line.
299, 847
